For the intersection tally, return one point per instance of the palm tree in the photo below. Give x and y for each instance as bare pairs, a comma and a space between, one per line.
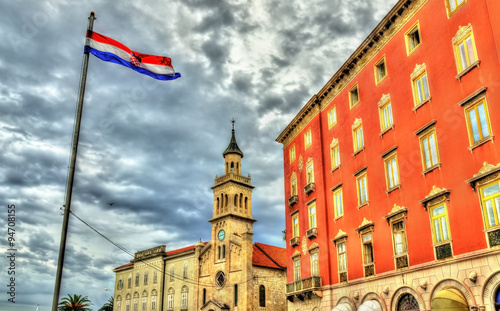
74, 303
108, 306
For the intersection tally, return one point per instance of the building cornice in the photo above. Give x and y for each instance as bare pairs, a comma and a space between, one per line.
390, 25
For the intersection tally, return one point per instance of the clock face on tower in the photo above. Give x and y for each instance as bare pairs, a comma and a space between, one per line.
221, 235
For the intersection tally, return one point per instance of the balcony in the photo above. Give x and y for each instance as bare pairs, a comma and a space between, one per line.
294, 241
294, 199
309, 188
304, 288
312, 233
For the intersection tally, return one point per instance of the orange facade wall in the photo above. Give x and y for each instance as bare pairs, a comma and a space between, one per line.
458, 162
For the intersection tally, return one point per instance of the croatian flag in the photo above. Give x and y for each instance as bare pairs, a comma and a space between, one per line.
109, 50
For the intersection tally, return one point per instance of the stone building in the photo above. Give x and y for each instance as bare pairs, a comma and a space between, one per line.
229, 272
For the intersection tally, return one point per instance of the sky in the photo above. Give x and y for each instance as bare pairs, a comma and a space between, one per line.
151, 148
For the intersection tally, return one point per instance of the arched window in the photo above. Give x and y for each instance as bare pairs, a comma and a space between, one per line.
223, 251
172, 270
232, 167
225, 201
497, 300
129, 281
136, 301
118, 303
120, 284
146, 277
235, 295
127, 302
154, 293
262, 296
170, 298
185, 270
407, 303
137, 277
235, 200
204, 296
155, 277
184, 297
144, 300
246, 204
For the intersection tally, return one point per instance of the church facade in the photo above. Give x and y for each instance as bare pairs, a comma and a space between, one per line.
229, 272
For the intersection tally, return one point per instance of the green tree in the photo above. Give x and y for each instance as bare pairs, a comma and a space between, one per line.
108, 306
74, 303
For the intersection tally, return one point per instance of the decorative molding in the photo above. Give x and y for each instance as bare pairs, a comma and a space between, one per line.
486, 173
384, 99
356, 123
313, 246
339, 236
389, 151
301, 163
296, 254
425, 127
304, 245
435, 196
395, 211
472, 96
463, 31
365, 224
334, 142
418, 70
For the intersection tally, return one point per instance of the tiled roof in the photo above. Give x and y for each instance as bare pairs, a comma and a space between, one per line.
269, 256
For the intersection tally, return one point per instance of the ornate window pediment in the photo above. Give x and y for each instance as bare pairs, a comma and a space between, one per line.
486, 173
435, 196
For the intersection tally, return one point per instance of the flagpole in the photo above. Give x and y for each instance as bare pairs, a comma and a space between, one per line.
71, 174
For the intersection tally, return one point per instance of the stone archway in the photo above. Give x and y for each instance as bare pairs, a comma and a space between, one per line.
406, 290
459, 296
490, 289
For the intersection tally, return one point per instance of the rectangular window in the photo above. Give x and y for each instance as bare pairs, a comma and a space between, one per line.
391, 171
296, 269
439, 223
170, 301
478, 122
294, 185
292, 153
308, 139
380, 70
332, 117
358, 138
335, 154
421, 89
465, 53
354, 96
362, 187
184, 301
295, 225
314, 264
412, 38
342, 256
453, 5
310, 173
367, 248
385, 113
490, 199
429, 150
337, 203
399, 237
312, 216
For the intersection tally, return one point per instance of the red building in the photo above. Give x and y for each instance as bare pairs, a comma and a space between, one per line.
392, 179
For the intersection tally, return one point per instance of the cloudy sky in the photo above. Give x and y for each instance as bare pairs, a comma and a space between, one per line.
153, 148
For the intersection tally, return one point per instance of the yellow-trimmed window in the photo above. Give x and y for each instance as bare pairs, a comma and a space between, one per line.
385, 113
391, 170
342, 256
367, 248
413, 38
421, 89
338, 203
295, 225
296, 269
308, 138
362, 188
312, 216
465, 52
453, 5
429, 149
439, 223
399, 237
310, 173
490, 199
332, 117
314, 264
293, 184
292, 153
358, 140
478, 121
335, 155
380, 70
354, 96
